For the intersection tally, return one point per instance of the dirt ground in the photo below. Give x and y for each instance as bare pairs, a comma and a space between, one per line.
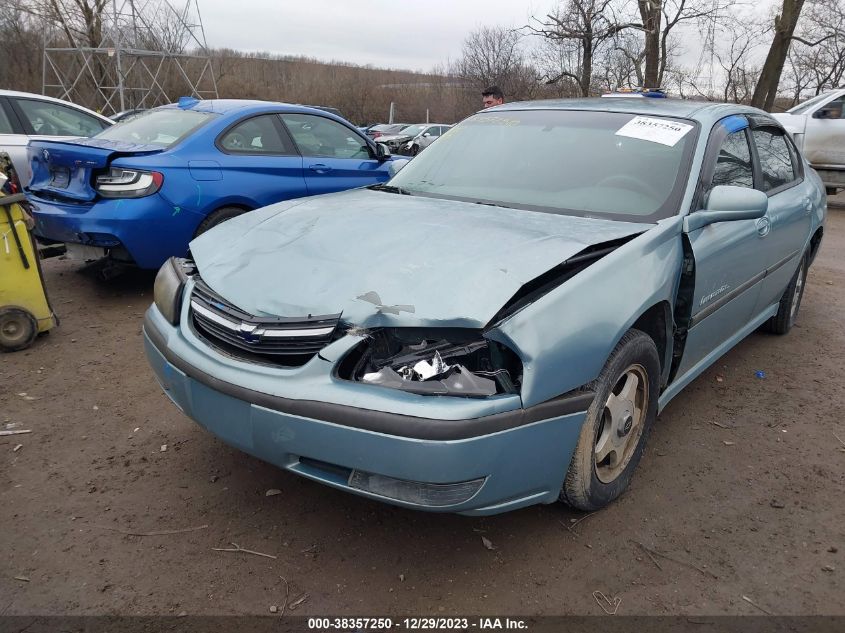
742, 488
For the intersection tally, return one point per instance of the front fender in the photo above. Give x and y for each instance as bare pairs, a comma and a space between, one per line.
565, 337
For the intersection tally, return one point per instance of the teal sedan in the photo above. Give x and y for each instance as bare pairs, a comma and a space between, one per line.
500, 324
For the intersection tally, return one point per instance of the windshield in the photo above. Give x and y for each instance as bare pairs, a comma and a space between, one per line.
569, 162
157, 127
801, 109
412, 130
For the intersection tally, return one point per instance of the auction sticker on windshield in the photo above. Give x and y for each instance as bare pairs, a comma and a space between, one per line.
655, 130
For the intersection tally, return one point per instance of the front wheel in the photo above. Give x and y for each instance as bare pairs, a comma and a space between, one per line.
617, 425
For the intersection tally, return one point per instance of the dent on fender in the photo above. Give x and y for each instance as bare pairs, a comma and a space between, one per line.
589, 318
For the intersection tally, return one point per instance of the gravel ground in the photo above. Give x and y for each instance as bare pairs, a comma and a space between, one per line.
740, 491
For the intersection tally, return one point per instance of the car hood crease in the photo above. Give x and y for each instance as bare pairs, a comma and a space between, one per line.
386, 259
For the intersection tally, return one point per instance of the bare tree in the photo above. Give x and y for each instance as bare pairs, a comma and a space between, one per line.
575, 33
660, 18
739, 39
492, 56
784, 27
816, 61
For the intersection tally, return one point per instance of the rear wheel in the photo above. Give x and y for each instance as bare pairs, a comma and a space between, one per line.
18, 329
790, 302
617, 425
218, 217
831, 191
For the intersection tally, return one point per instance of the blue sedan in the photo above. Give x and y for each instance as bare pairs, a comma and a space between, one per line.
499, 324
141, 190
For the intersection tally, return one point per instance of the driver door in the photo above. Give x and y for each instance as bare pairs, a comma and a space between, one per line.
728, 258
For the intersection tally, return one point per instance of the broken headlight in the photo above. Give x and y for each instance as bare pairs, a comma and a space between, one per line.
444, 362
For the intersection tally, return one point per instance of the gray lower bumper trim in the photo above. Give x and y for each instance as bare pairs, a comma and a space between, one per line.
380, 421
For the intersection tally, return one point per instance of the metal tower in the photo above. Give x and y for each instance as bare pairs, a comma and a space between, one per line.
151, 52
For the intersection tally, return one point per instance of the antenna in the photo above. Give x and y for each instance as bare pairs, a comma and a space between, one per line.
150, 53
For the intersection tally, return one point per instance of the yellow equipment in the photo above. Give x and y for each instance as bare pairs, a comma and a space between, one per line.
24, 308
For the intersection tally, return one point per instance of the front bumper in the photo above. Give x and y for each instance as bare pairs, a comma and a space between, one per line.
520, 455
149, 229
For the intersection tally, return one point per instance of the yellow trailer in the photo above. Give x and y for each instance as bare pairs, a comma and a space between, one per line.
24, 308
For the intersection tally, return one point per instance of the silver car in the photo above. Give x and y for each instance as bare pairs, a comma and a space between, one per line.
25, 116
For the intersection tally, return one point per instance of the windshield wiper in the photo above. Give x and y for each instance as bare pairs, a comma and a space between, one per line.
390, 189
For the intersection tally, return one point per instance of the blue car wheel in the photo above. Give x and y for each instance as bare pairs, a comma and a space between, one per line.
218, 217
618, 422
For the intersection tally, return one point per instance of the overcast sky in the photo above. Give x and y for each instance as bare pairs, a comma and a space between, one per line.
407, 34
404, 34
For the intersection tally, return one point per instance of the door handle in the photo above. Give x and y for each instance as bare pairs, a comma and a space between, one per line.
320, 168
764, 225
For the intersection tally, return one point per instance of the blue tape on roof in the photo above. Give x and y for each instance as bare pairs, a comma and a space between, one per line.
735, 123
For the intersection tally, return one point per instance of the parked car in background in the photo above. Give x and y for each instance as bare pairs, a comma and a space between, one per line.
424, 138
141, 190
500, 324
385, 129
25, 116
397, 139
818, 127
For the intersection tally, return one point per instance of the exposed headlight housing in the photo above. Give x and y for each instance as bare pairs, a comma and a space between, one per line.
433, 361
167, 289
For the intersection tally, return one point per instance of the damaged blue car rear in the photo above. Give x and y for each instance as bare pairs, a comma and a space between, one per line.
499, 324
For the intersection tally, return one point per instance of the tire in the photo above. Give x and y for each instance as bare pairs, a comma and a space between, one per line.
831, 191
415, 149
218, 217
790, 302
593, 479
18, 329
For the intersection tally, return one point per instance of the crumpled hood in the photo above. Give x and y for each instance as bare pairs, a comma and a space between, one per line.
388, 259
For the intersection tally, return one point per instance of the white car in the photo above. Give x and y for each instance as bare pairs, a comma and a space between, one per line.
818, 127
25, 116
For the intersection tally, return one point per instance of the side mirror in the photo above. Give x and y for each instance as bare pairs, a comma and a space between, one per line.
382, 152
427, 134
726, 203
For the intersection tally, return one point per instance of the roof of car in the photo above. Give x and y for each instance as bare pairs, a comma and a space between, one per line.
704, 110
229, 106
32, 95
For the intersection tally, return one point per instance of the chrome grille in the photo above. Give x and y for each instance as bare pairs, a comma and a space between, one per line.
283, 341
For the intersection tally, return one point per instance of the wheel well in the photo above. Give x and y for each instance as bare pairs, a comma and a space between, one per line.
244, 207
655, 322
815, 242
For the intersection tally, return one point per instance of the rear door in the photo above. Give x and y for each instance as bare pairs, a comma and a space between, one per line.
260, 158
728, 258
780, 176
13, 140
336, 157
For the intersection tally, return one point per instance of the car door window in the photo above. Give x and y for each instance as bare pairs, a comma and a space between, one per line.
776, 165
257, 135
5, 124
320, 136
733, 165
54, 119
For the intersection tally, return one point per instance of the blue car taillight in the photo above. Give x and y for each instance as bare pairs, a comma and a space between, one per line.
120, 182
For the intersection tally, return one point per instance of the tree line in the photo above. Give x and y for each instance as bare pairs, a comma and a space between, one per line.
706, 49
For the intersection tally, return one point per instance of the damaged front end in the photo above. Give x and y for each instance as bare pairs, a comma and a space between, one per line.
447, 362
